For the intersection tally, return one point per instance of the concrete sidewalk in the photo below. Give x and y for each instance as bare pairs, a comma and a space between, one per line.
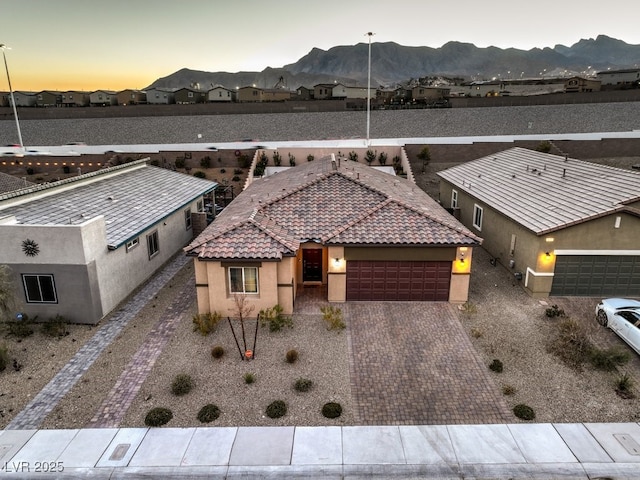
512, 451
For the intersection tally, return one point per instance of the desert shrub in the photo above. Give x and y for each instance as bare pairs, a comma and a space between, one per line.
180, 163
525, 412
353, 156
544, 147
205, 323
332, 410
20, 329
208, 413
205, 162
277, 158
624, 386
508, 390
4, 358
157, 417
571, 343
382, 158
496, 366
333, 317
276, 409
200, 174
303, 384
56, 327
554, 311
155, 162
274, 318
291, 356
235, 178
476, 332
249, 378
310, 158
217, 351
370, 156
223, 170
608, 359
292, 160
182, 384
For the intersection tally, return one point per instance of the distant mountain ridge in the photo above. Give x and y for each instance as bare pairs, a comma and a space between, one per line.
393, 64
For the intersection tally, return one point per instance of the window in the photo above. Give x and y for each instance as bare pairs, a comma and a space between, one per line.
243, 280
454, 199
477, 217
152, 244
187, 218
200, 206
39, 288
131, 244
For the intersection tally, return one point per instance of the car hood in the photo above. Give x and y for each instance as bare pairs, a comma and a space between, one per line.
618, 303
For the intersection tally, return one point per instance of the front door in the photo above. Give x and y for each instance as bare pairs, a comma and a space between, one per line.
312, 265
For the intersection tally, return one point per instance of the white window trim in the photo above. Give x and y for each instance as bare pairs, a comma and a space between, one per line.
133, 243
244, 292
187, 218
454, 199
157, 244
478, 209
38, 276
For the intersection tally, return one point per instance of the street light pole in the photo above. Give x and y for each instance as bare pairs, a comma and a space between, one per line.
3, 47
369, 34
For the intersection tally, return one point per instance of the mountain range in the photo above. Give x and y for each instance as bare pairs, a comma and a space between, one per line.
393, 64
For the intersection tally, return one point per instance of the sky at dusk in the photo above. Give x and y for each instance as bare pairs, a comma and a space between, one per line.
118, 44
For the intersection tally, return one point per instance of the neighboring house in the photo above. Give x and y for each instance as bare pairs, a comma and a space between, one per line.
581, 84
73, 98
363, 233
221, 94
249, 94
422, 94
131, 97
341, 91
78, 247
4, 99
276, 94
47, 98
619, 79
9, 183
565, 227
23, 99
323, 91
187, 96
103, 98
304, 93
160, 96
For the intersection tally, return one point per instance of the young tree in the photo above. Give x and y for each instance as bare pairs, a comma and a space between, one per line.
425, 156
242, 311
7, 296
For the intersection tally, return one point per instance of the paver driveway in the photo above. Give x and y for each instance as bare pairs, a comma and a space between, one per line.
413, 364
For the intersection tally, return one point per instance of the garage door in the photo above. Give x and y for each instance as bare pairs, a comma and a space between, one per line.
399, 281
596, 276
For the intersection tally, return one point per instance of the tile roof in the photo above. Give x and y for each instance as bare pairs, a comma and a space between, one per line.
132, 198
337, 203
9, 183
545, 192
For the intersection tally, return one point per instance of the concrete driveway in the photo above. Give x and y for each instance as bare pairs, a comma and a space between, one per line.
413, 364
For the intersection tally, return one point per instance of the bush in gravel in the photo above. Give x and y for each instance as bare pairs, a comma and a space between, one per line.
249, 378
525, 412
333, 317
332, 410
157, 416
553, 311
291, 356
4, 358
20, 329
508, 390
571, 343
624, 386
274, 318
496, 366
608, 359
182, 384
217, 351
208, 413
56, 327
303, 385
205, 323
276, 409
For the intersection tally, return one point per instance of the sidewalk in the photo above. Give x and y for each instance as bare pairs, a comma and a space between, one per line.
513, 451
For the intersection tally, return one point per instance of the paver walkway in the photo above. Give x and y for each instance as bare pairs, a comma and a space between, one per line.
413, 364
121, 396
45, 401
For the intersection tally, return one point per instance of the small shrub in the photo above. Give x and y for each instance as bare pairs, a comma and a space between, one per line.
180, 163
4, 358
608, 359
382, 158
476, 333
496, 366
249, 378
205, 162
353, 156
333, 317
310, 158
553, 311
370, 156
237, 171
571, 343
56, 327
223, 170
182, 384
292, 160
525, 412
544, 147
277, 158
276, 409
332, 410
155, 162
508, 390
235, 178
624, 386
157, 417
291, 356
205, 323
200, 174
275, 319
208, 413
217, 351
303, 385
20, 329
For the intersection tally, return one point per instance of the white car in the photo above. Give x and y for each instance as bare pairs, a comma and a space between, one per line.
623, 317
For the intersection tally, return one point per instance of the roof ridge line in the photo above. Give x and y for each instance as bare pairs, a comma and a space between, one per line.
267, 231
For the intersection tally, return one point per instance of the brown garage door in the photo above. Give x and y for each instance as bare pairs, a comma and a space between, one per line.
398, 281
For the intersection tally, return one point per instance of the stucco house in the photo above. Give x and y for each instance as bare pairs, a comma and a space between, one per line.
103, 98
221, 94
160, 96
78, 247
131, 97
75, 98
563, 226
360, 232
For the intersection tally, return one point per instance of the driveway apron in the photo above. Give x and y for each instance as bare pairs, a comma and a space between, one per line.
413, 364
